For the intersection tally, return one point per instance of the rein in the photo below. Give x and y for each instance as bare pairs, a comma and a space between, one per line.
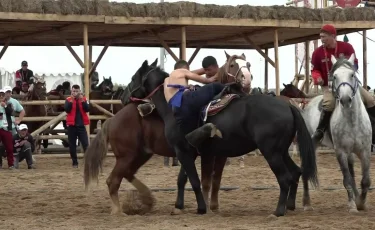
148, 96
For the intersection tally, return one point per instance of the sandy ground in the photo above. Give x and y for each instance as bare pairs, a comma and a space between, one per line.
53, 197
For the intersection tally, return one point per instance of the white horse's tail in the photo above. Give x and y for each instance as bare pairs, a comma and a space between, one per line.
306, 149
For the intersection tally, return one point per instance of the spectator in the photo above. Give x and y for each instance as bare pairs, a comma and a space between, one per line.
6, 125
16, 90
24, 75
24, 146
25, 88
76, 107
16, 105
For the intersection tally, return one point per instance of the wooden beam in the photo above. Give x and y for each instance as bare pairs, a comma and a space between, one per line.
61, 102
86, 66
196, 51
230, 37
266, 73
183, 44
107, 44
67, 44
90, 57
201, 21
5, 47
260, 51
103, 110
277, 72
53, 121
166, 47
306, 38
364, 41
307, 66
130, 35
338, 24
48, 118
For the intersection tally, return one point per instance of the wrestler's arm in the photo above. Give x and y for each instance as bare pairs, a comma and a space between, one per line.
316, 71
199, 71
195, 77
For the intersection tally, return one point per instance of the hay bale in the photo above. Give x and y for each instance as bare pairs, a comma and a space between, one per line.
185, 9
137, 204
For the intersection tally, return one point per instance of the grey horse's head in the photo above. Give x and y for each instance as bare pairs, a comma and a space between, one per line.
345, 81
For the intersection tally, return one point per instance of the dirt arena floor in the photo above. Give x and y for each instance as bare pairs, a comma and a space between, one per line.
53, 197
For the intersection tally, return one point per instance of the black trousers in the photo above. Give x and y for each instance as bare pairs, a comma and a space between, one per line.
75, 132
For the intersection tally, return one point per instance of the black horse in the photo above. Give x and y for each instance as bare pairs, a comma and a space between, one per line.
247, 123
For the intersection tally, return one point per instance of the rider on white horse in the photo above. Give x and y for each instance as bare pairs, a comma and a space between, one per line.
321, 65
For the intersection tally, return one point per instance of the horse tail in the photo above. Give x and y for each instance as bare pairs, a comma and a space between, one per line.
306, 149
95, 154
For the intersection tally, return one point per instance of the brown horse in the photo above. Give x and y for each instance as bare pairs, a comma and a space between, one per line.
134, 139
39, 93
104, 91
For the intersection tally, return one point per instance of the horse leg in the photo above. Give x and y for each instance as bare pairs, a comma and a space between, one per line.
174, 161
114, 182
216, 181
296, 174
181, 183
166, 161
187, 160
351, 170
366, 181
342, 158
284, 178
207, 169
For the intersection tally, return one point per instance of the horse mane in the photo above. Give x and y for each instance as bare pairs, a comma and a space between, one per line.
222, 75
342, 61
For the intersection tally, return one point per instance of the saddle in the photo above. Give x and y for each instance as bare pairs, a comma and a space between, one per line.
220, 102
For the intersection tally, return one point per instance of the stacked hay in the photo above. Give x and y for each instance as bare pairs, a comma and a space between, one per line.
184, 9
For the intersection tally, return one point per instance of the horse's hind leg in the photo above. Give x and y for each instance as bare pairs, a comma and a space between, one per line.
343, 161
114, 182
216, 181
366, 181
296, 174
207, 168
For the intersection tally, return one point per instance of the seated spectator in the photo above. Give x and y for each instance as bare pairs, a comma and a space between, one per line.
16, 90
24, 146
24, 88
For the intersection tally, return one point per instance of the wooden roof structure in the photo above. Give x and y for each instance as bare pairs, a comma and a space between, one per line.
48, 22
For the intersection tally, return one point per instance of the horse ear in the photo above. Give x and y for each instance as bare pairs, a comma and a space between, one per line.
243, 55
333, 59
155, 62
352, 58
284, 85
103, 78
226, 54
110, 78
145, 64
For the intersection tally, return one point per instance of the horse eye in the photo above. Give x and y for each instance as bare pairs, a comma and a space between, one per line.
231, 65
248, 65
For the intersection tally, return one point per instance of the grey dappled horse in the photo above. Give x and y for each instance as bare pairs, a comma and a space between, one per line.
350, 128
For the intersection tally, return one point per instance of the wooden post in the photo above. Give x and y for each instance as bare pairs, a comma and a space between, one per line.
90, 57
277, 73
196, 51
307, 67
266, 72
106, 45
5, 47
183, 44
87, 70
364, 39
57, 119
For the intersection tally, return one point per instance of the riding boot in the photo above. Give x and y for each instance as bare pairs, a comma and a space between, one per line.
323, 123
199, 135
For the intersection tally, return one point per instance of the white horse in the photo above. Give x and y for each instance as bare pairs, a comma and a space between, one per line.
350, 128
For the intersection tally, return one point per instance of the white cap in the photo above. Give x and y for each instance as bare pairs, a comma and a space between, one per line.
2, 91
7, 88
22, 126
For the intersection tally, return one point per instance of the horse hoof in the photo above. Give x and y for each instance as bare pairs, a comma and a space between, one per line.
362, 207
118, 213
308, 208
272, 217
176, 211
201, 211
353, 211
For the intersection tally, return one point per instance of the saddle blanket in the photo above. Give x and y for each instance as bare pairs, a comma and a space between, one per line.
215, 106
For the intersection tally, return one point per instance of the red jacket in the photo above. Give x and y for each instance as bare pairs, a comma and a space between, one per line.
71, 116
318, 60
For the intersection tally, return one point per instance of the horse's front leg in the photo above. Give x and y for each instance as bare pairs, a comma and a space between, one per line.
366, 181
342, 158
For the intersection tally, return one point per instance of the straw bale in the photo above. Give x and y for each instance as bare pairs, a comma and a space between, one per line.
185, 9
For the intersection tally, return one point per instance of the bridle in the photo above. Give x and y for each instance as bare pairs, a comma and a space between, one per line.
354, 87
147, 98
236, 78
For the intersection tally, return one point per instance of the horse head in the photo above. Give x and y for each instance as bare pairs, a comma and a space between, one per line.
39, 90
345, 82
106, 86
236, 69
136, 86
292, 91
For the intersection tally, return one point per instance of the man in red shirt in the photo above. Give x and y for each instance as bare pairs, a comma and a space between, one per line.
321, 65
76, 107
